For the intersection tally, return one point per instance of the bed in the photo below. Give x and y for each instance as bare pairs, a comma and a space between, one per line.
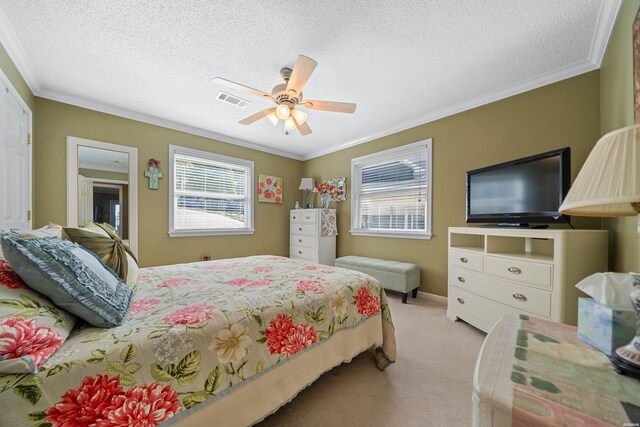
222, 342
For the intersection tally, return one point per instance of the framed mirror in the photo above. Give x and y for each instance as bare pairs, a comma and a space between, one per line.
102, 186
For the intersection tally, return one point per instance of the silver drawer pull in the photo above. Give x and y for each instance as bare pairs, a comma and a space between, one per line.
308, 217
463, 259
299, 228
300, 240
514, 270
300, 252
460, 300
460, 279
520, 297
295, 217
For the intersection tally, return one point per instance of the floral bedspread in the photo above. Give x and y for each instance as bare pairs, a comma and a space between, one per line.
192, 332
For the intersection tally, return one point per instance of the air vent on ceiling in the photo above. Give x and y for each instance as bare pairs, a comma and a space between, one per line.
231, 99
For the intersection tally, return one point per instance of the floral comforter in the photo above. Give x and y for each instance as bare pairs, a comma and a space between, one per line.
192, 332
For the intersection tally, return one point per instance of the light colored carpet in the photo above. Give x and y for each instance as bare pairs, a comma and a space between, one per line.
429, 385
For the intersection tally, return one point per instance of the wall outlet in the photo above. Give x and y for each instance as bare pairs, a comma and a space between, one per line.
205, 258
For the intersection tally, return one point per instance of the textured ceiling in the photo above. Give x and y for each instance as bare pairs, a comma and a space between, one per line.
403, 62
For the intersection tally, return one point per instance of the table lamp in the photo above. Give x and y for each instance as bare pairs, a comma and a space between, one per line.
609, 185
306, 185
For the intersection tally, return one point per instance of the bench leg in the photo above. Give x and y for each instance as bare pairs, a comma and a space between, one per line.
404, 297
414, 293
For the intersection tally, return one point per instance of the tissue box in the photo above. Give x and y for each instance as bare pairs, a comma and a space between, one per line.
606, 327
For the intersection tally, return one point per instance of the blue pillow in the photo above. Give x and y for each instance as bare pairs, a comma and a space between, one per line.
71, 276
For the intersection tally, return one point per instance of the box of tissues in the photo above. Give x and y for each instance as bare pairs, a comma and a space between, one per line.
606, 327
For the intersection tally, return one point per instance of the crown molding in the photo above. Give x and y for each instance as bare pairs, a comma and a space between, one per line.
609, 10
157, 121
556, 76
14, 49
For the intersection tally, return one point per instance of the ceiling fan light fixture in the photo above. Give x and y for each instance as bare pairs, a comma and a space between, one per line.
283, 112
300, 116
289, 124
273, 119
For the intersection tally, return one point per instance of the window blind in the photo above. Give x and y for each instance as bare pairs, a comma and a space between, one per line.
391, 191
209, 194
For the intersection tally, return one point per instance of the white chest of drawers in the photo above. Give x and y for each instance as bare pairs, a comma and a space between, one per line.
493, 271
306, 240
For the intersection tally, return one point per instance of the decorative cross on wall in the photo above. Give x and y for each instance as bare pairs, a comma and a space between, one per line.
153, 173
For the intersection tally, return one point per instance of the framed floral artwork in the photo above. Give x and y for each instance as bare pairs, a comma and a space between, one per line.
269, 189
341, 184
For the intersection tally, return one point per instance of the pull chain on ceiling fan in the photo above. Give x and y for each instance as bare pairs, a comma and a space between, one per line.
288, 96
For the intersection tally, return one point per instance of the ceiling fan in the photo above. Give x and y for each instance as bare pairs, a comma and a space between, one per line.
288, 96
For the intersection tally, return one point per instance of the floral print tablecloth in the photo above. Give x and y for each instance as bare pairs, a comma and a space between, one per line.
193, 333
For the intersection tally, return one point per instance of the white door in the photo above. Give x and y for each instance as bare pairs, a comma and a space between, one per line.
15, 162
85, 200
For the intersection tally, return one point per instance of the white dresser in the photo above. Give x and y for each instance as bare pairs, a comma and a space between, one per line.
493, 271
312, 235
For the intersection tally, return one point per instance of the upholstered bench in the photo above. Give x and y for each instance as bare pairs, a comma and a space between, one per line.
396, 276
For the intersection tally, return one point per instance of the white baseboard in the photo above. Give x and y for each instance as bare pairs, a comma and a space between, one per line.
434, 297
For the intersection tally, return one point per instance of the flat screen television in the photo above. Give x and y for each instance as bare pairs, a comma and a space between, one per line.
522, 191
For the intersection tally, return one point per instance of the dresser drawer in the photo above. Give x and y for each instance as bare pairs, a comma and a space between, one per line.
294, 216
296, 251
474, 309
300, 240
308, 229
467, 280
309, 217
469, 260
523, 271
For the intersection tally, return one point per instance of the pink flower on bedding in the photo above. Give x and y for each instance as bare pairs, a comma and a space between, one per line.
144, 277
262, 269
9, 278
318, 267
277, 258
367, 303
278, 332
174, 282
242, 281
301, 337
283, 337
309, 285
142, 305
85, 404
142, 406
192, 315
259, 283
23, 337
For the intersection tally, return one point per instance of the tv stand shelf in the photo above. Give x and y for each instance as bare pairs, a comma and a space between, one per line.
496, 270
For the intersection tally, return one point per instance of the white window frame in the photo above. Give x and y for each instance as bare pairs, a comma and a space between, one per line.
356, 181
173, 150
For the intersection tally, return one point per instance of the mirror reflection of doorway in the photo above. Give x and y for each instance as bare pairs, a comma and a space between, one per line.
109, 205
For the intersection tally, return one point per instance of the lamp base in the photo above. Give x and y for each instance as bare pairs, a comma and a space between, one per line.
624, 366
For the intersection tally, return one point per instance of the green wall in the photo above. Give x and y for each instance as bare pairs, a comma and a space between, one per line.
56, 121
562, 114
616, 111
9, 68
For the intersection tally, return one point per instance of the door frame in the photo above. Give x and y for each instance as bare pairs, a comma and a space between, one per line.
13, 91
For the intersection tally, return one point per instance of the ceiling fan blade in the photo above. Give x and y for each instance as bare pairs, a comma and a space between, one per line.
303, 128
257, 116
337, 107
301, 73
237, 86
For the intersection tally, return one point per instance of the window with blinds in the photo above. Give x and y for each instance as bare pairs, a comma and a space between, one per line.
210, 193
391, 192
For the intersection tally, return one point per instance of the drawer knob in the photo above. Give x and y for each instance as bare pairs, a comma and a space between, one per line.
294, 217
460, 279
300, 252
464, 260
300, 240
308, 217
520, 297
299, 228
514, 270
460, 300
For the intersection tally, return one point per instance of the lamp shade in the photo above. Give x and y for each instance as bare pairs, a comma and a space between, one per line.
306, 184
609, 182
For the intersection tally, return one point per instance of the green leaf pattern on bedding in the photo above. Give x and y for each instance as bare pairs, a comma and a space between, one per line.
192, 331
